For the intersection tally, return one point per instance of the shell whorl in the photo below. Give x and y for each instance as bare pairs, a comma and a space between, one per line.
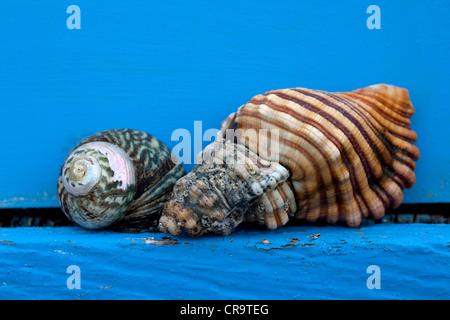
349, 154
82, 171
88, 172
118, 179
81, 175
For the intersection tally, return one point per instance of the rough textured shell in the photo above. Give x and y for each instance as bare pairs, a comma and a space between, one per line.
143, 198
350, 154
214, 196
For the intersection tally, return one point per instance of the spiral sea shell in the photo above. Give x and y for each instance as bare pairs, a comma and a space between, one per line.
118, 179
340, 156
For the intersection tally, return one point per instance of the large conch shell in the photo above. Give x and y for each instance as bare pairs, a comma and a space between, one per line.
118, 179
341, 156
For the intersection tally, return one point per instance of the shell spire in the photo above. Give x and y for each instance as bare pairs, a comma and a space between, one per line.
349, 154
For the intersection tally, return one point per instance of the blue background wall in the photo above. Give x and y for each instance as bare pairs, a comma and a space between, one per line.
158, 66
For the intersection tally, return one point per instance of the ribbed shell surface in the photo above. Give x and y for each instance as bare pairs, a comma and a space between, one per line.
350, 154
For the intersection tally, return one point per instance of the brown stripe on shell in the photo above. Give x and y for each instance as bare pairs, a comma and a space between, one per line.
274, 208
307, 210
309, 168
359, 146
365, 149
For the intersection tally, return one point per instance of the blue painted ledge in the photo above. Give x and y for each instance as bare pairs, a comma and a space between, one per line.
298, 263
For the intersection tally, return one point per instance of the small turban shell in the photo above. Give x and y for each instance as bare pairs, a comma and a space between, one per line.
348, 156
118, 179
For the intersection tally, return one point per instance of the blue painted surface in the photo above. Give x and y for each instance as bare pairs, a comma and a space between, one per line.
156, 67
413, 261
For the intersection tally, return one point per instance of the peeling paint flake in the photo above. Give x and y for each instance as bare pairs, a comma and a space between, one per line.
8, 243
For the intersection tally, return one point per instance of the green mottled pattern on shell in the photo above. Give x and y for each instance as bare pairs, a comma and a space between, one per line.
106, 198
156, 175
